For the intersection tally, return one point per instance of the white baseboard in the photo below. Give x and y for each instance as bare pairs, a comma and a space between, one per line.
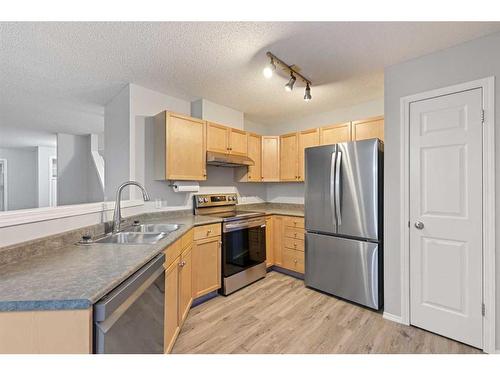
392, 317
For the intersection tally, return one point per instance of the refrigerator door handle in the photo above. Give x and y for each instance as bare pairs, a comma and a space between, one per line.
338, 164
332, 184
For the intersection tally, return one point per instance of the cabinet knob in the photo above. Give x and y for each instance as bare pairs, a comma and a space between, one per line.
209, 231
295, 260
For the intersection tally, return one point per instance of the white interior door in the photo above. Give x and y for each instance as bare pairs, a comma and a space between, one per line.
446, 215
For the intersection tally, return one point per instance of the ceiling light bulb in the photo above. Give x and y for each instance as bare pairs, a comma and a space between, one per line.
307, 93
291, 82
268, 70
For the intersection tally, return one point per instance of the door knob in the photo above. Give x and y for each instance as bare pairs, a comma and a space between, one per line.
419, 225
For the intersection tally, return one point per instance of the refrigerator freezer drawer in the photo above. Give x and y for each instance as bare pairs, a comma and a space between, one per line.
346, 268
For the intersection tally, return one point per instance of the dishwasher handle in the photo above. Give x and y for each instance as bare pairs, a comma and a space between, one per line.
107, 305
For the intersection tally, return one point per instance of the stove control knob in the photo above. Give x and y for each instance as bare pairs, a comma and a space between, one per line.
205, 200
200, 200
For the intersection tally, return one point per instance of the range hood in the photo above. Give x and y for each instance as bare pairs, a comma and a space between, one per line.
225, 160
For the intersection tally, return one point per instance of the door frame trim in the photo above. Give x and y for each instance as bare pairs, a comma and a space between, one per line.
488, 158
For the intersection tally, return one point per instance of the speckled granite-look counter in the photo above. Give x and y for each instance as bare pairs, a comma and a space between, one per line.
75, 276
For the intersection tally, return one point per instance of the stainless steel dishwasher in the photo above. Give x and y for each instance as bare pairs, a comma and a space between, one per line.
130, 319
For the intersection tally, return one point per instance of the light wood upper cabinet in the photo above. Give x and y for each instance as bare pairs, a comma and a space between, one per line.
270, 158
289, 157
171, 305
217, 138
206, 266
238, 142
367, 129
337, 133
307, 138
226, 140
174, 134
252, 173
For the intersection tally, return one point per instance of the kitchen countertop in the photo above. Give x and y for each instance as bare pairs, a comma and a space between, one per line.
77, 276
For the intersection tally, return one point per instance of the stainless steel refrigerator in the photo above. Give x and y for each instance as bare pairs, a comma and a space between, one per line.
343, 218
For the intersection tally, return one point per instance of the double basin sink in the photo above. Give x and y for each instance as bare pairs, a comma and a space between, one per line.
141, 234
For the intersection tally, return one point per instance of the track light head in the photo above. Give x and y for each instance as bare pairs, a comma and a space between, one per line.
291, 82
307, 93
269, 69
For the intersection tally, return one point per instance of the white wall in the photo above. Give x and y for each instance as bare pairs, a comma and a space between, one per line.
21, 177
117, 142
469, 61
257, 128
207, 110
77, 179
44, 154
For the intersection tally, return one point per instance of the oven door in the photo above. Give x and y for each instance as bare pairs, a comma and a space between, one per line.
243, 245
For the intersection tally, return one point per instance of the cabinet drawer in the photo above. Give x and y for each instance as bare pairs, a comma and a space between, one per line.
207, 231
172, 253
187, 239
295, 244
297, 233
293, 260
294, 222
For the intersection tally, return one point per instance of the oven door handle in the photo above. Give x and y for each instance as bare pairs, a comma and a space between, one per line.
248, 225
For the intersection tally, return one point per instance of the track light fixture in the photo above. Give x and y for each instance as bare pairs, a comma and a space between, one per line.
269, 70
291, 82
307, 93
271, 67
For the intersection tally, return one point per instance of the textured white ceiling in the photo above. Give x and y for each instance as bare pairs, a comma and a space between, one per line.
60, 75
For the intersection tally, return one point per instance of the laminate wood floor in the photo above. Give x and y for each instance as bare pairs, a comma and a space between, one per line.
280, 315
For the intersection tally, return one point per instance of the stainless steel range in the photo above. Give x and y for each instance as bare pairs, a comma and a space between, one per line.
243, 240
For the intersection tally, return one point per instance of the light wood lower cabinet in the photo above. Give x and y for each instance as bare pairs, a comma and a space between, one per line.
185, 283
171, 305
178, 287
278, 237
293, 260
269, 241
195, 272
286, 234
206, 266
46, 332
